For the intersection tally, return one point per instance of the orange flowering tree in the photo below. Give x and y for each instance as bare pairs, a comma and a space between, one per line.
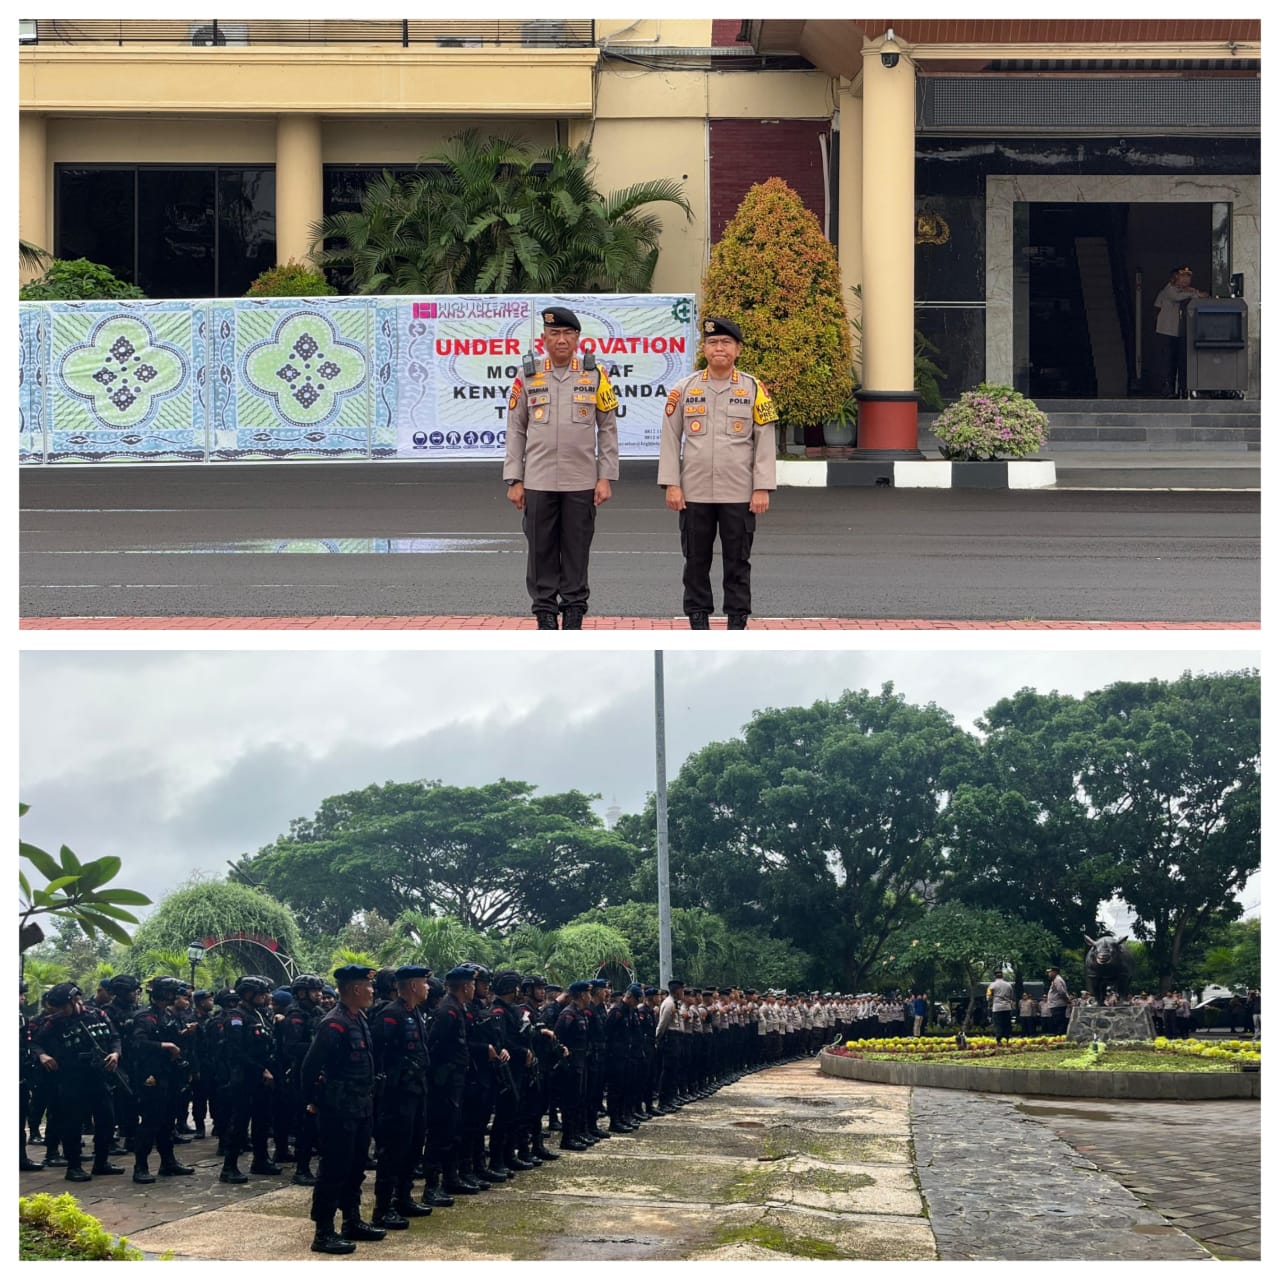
775, 274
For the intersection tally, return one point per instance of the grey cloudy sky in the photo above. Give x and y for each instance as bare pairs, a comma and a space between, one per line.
176, 761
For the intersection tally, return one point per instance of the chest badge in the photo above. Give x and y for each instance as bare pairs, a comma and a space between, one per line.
696, 426
539, 414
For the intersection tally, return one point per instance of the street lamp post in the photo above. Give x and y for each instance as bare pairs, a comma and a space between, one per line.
195, 953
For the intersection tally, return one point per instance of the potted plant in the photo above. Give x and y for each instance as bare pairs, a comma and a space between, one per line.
991, 422
840, 429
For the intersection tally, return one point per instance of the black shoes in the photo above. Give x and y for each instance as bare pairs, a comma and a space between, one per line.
410, 1208
330, 1242
573, 618
303, 1177
737, 622
699, 622
390, 1220
264, 1166
103, 1169
141, 1174
29, 1166
172, 1169
230, 1173
547, 621
434, 1196
358, 1229
75, 1173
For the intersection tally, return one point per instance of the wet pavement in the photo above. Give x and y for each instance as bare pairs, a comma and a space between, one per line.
790, 1163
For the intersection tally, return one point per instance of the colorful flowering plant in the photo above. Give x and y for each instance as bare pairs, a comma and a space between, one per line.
976, 1046
992, 422
1235, 1050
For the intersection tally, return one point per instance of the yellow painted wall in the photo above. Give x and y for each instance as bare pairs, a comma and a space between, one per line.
670, 33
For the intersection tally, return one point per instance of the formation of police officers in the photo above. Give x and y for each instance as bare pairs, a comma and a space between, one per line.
447, 1081
717, 465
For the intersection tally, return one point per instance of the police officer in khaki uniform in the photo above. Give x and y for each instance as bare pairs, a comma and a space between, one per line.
717, 462
562, 454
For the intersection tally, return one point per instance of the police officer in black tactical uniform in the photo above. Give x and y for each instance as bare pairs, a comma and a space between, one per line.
620, 1036
81, 1050
546, 1054
198, 1053
478, 1097
28, 1074
513, 1068
293, 1039
597, 1010
398, 1035
647, 1022
156, 1075
450, 1058
572, 1030
214, 1050
248, 1045
121, 1012
337, 1075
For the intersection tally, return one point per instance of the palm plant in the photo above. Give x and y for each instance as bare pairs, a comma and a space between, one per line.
40, 975
31, 257
488, 215
439, 942
582, 949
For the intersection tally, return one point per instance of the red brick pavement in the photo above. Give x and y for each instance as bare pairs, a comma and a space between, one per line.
444, 622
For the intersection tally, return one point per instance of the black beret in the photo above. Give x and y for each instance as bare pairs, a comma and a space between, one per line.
599, 982
560, 317
352, 973
719, 327
553, 990
577, 988
463, 973
674, 982
651, 991
407, 971
635, 989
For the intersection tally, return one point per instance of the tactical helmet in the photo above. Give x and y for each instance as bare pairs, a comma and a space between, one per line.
62, 995
252, 985
532, 982
384, 984
123, 983
166, 988
307, 982
225, 998
482, 973
505, 982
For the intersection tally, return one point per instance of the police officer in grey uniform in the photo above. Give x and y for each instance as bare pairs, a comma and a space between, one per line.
562, 454
717, 462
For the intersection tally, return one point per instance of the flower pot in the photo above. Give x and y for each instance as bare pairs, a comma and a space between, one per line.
837, 434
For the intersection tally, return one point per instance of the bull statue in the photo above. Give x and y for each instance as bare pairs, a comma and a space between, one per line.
1107, 964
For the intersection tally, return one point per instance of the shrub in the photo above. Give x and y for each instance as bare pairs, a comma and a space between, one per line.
55, 1227
291, 280
775, 274
78, 280
991, 422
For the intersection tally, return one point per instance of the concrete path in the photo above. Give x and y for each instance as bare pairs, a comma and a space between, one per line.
789, 1163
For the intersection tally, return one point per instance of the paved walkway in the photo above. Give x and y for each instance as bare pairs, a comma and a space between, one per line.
789, 1163
351, 622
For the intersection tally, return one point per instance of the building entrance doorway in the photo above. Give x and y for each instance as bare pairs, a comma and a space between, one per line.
1090, 274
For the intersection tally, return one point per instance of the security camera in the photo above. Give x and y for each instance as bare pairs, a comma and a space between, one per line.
889, 51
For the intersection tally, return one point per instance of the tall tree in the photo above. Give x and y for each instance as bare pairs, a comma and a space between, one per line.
820, 824
491, 857
492, 215
1173, 773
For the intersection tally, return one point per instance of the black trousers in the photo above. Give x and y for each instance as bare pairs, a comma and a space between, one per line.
699, 524
559, 528
83, 1096
344, 1147
402, 1129
444, 1116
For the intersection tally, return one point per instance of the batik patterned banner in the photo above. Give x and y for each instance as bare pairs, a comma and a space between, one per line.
249, 379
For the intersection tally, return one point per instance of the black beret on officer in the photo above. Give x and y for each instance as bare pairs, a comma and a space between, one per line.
409, 971
719, 327
560, 317
352, 973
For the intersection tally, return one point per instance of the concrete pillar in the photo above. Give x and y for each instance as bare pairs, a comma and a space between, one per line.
35, 208
887, 412
299, 185
850, 229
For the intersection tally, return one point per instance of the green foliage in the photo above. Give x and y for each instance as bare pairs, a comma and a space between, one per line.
582, 949
39, 975
74, 891
491, 215
290, 280
217, 910
31, 257
490, 857
1234, 958
775, 274
55, 1227
75, 280
991, 422
437, 941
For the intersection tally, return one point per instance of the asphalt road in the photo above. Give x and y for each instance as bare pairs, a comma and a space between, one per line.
391, 539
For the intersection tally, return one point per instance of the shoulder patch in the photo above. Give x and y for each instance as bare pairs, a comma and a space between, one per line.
606, 399
516, 388
765, 410
672, 401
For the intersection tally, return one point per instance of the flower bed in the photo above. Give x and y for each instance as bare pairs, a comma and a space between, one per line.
934, 1046
55, 1228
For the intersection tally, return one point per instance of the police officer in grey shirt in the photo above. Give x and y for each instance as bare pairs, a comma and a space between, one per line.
562, 454
718, 463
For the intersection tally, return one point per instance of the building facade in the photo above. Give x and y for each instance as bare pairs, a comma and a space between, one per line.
1014, 191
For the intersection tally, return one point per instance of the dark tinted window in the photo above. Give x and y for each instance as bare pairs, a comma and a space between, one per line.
176, 233
95, 217
246, 228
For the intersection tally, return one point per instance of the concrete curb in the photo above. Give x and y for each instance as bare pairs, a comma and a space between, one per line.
840, 473
1169, 1086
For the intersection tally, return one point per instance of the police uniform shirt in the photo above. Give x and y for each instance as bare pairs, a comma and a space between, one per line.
718, 438
399, 1045
340, 1052
562, 429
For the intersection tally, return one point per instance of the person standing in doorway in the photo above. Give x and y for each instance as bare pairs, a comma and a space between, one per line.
1171, 325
